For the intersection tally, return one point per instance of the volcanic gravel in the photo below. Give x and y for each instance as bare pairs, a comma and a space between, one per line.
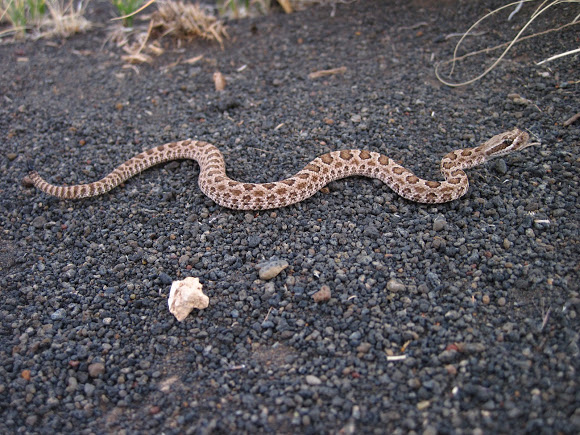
454, 318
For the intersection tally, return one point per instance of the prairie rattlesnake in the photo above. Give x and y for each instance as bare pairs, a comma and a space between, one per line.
214, 182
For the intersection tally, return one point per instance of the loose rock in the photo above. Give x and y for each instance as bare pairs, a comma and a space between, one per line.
186, 295
313, 380
439, 223
96, 369
395, 285
271, 269
322, 295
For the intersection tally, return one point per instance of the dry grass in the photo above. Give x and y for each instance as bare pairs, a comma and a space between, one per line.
128, 9
22, 15
187, 21
44, 18
182, 21
541, 9
64, 19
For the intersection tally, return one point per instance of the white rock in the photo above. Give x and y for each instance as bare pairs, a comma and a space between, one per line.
184, 296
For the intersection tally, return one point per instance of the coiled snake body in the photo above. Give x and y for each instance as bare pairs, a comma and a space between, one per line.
214, 182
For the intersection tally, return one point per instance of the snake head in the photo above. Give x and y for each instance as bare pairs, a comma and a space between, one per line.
505, 143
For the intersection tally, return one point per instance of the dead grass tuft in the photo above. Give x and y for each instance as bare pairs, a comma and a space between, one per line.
52, 18
187, 21
182, 21
64, 19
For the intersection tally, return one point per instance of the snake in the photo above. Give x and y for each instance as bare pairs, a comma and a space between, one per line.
328, 167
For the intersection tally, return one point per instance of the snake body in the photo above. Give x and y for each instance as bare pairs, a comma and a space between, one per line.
229, 193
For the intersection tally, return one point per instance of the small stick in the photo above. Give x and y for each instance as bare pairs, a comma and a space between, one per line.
567, 53
516, 10
286, 5
414, 26
327, 72
545, 319
456, 35
269, 311
572, 120
396, 357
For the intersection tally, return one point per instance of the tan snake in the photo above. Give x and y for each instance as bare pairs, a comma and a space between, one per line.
214, 182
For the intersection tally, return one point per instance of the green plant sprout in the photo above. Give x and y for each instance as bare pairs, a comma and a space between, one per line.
127, 7
23, 13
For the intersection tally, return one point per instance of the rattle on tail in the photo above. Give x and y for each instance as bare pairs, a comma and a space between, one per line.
214, 182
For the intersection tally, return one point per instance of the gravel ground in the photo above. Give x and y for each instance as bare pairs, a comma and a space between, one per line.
479, 296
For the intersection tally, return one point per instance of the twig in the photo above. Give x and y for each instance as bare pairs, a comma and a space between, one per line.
286, 5
327, 72
541, 9
571, 120
516, 10
567, 53
269, 311
237, 367
455, 35
545, 319
414, 26
488, 49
